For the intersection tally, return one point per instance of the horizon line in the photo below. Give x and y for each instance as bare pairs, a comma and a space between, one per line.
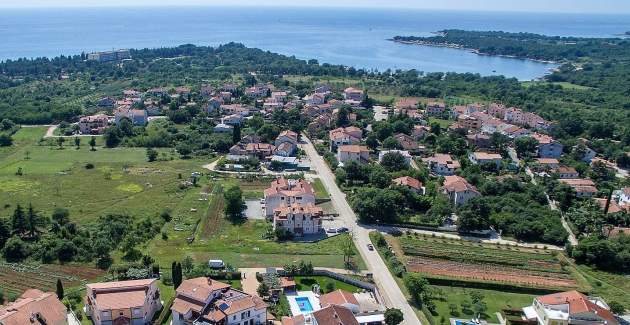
371, 7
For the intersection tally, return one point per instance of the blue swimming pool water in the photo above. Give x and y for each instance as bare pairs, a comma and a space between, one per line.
458, 322
304, 304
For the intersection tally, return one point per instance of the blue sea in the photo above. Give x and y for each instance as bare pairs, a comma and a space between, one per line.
349, 36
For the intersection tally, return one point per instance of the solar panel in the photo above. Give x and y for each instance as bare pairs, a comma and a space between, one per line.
224, 306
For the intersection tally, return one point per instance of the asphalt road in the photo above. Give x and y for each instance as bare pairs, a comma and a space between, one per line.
388, 287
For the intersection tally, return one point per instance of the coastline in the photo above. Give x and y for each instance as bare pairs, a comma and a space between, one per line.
472, 50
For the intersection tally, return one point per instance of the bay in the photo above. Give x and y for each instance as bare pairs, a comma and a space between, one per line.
349, 36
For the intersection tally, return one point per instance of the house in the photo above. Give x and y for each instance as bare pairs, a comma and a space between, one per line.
548, 163
405, 154
459, 190
206, 90
315, 99
547, 146
206, 301
137, 116
340, 298
230, 88
285, 149
226, 96
353, 152
334, 315
435, 108
584, 188
469, 122
344, 136
585, 153
106, 102
237, 109
322, 89
613, 232
251, 138
442, 164
497, 110
214, 104
158, 92
479, 140
353, 94
565, 172
287, 136
257, 91
183, 91
569, 308
407, 143
319, 123
406, 103
514, 132
483, 158
234, 119
279, 96
223, 128
410, 183
131, 93
36, 307
95, 124
287, 192
420, 131
107, 56
123, 302
298, 219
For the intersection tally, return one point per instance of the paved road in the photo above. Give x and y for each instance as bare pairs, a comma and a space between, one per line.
388, 287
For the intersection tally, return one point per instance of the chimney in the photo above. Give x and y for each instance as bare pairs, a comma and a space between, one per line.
209, 281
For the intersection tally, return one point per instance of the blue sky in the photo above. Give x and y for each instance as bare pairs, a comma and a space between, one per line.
569, 6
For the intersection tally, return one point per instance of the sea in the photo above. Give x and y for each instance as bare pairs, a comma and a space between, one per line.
349, 36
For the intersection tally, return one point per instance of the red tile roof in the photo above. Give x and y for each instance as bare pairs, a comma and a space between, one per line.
34, 302
578, 303
338, 297
408, 181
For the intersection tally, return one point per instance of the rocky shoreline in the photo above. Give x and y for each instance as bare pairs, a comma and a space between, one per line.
475, 51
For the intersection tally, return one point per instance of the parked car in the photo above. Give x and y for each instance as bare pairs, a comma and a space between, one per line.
331, 230
342, 229
370, 247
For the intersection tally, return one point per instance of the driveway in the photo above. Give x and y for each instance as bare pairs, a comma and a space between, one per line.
388, 287
254, 210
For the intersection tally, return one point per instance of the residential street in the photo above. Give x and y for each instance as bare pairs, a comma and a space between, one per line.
388, 287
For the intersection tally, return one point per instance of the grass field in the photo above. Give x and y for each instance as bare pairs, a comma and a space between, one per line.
494, 300
305, 283
565, 85
320, 190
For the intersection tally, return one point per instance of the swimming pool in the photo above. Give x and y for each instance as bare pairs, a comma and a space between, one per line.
459, 322
304, 304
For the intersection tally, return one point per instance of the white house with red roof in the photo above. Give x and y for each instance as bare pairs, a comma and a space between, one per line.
207, 301
353, 152
459, 190
343, 136
287, 192
569, 308
547, 146
353, 94
410, 183
584, 188
123, 302
482, 158
442, 164
298, 219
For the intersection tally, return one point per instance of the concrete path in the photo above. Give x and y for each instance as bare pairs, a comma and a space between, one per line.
386, 283
249, 281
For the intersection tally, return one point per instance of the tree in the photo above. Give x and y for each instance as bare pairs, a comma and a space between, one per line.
77, 142
475, 215
92, 143
60, 141
113, 136
342, 117
234, 204
394, 161
373, 204
372, 141
236, 134
417, 286
184, 149
348, 251
152, 154
187, 264
616, 308
525, 146
61, 216
5, 232
59, 289
263, 289
393, 316
176, 272
5, 140
15, 249
19, 225
379, 177
391, 143
34, 221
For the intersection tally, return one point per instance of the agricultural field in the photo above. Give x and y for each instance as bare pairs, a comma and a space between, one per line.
473, 262
15, 278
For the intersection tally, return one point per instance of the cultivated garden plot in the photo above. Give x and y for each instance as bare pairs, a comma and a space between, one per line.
485, 263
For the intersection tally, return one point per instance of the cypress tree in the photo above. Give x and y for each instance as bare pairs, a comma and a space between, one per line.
59, 289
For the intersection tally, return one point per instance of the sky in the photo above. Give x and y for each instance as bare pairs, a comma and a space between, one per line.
568, 6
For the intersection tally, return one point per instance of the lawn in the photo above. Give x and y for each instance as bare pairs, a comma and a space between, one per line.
494, 300
444, 124
320, 190
305, 283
